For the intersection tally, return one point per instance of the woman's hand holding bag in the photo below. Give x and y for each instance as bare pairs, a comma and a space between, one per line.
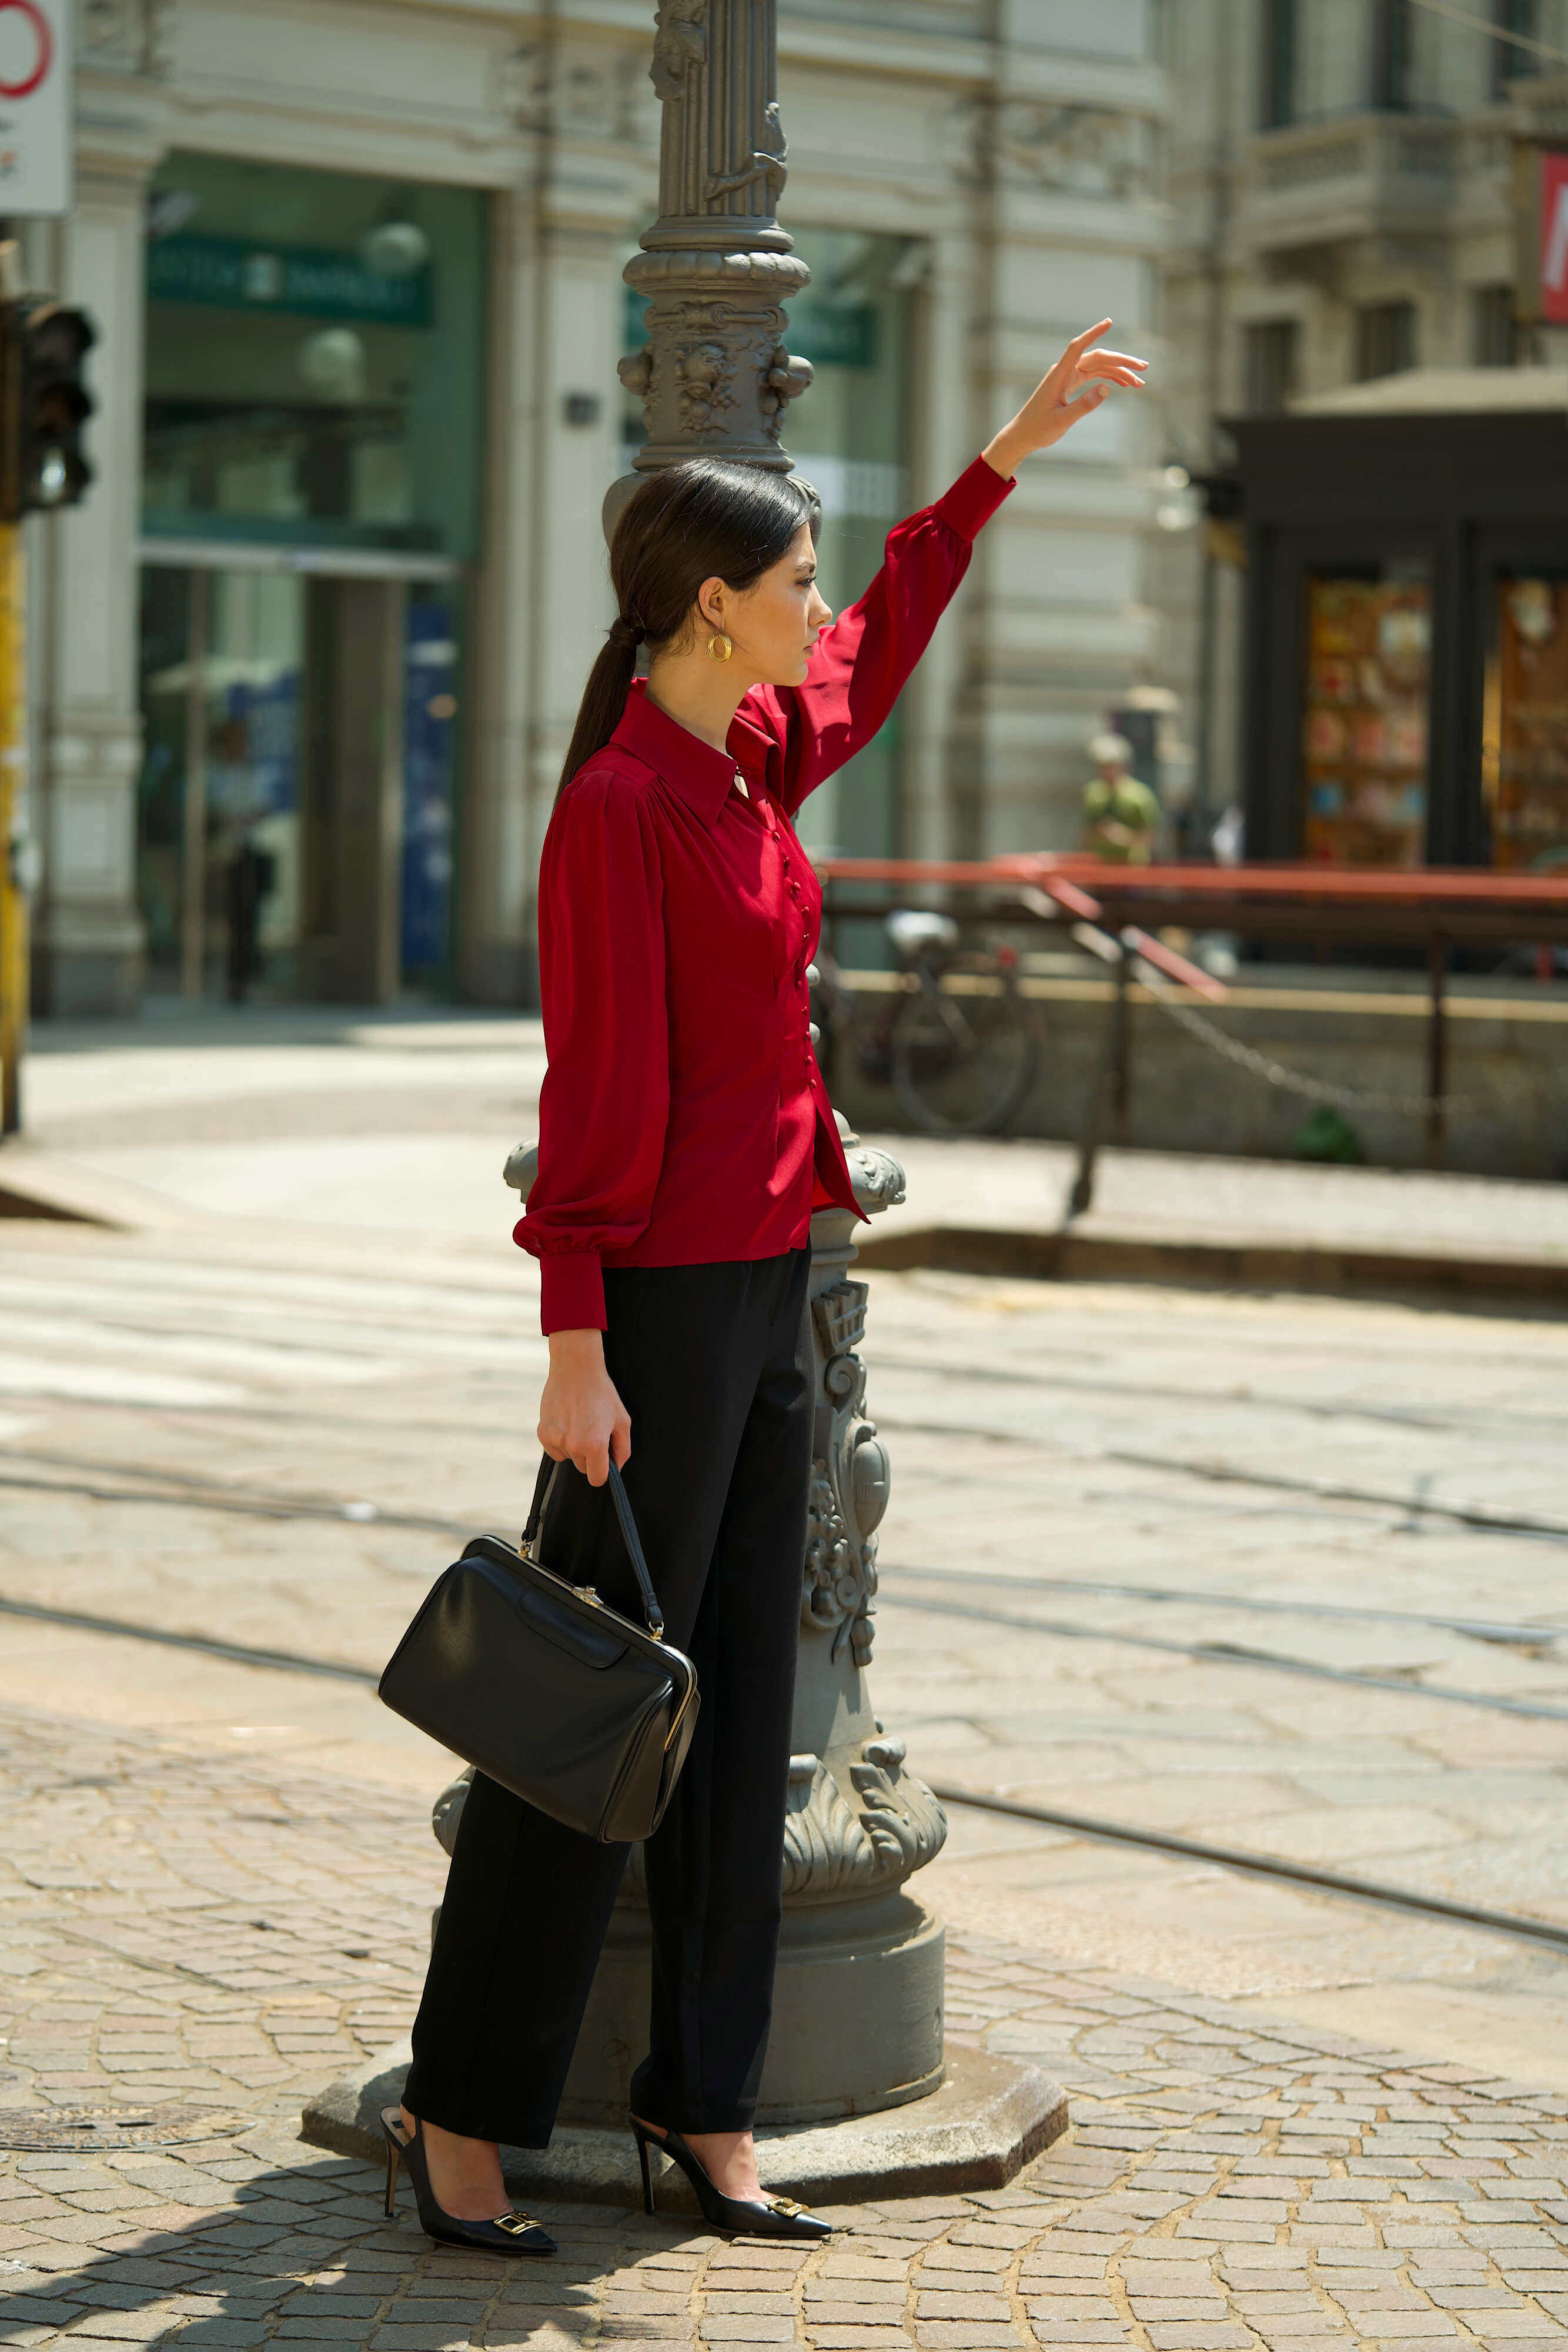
581, 1417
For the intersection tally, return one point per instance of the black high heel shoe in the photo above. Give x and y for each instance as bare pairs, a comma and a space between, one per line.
741, 2217
509, 2234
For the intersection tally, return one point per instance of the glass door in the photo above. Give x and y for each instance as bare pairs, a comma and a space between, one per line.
296, 806
219, 804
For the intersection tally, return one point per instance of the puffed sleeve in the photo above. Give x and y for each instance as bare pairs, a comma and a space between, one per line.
606, 1101
861, 664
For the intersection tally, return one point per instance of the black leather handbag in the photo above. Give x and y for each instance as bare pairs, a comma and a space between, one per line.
545, 1688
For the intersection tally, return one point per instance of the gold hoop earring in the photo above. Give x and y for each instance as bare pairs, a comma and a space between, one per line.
719, 646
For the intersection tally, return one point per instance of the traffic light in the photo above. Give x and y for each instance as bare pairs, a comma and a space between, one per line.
44, 405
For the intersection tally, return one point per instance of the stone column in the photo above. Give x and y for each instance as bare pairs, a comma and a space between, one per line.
88, 945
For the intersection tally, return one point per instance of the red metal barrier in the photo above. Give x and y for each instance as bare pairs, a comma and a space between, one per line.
1326, 887
1438, 909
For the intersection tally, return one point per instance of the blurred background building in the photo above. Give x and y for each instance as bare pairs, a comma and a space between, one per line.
1366, 321
307, 659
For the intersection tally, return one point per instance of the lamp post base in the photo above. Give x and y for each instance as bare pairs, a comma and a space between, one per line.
832, 2052
990, 2118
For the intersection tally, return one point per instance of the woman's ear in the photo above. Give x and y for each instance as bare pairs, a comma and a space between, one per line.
710, 603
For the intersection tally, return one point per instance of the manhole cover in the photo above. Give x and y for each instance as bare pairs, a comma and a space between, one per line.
80, 2129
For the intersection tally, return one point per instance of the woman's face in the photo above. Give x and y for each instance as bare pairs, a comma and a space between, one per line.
775, 624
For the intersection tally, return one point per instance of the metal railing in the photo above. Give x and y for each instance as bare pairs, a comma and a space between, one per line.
1116, 911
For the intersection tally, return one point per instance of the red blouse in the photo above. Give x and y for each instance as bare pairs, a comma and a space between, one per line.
683, 1120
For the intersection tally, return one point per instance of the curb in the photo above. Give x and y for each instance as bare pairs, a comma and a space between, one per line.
51, 1186
1236, 1265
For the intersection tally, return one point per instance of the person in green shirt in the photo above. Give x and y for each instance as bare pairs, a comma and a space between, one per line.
1121, 814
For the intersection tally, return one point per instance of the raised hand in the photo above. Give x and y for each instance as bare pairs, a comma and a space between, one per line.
1075, 387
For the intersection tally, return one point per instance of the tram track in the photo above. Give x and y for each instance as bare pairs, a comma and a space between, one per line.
173, 1490
1328, 1490
1230, 1653
173, 1486
1251, 1864
1380, 1893
1476, 1629
196, 1496
1483, 1517
1394, 1416
209, 1645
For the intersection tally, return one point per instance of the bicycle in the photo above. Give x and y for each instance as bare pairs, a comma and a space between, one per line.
955, 1043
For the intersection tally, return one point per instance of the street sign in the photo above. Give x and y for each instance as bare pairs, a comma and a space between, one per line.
1553, 218
35, 111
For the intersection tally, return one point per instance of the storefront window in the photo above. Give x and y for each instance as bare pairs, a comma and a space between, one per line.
268, 701
1524, 768
314, 357
1364, 732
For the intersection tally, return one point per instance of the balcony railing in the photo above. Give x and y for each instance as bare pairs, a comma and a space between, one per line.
1359, 175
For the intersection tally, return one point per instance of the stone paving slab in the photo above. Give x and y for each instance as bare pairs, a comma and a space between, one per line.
184, 1930
270, 1437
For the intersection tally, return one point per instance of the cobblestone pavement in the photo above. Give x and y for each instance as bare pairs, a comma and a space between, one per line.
187, 1936
1273, 1572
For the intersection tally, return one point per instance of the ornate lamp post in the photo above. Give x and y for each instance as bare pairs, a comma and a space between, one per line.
715, 376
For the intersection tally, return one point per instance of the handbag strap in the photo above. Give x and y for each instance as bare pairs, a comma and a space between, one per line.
544, 1487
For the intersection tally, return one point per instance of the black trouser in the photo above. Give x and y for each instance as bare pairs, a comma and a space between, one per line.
714, 1365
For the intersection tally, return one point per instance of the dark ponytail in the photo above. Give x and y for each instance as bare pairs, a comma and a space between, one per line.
707, 517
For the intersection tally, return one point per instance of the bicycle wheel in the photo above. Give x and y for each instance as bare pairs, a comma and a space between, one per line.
964, 1051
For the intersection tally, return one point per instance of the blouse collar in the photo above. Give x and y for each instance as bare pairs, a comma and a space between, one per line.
692, 769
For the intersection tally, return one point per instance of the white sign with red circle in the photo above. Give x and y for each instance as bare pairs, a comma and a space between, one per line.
36, 125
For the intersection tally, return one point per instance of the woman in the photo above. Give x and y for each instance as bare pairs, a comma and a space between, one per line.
684, 1140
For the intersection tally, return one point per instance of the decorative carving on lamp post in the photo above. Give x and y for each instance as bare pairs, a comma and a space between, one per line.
857, 1821
716, 269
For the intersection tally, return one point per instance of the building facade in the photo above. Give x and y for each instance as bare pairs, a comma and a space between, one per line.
1357, 236
308, 654
307, 658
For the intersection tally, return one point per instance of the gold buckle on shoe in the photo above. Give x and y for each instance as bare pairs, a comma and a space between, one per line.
787, 2205
516, 2225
